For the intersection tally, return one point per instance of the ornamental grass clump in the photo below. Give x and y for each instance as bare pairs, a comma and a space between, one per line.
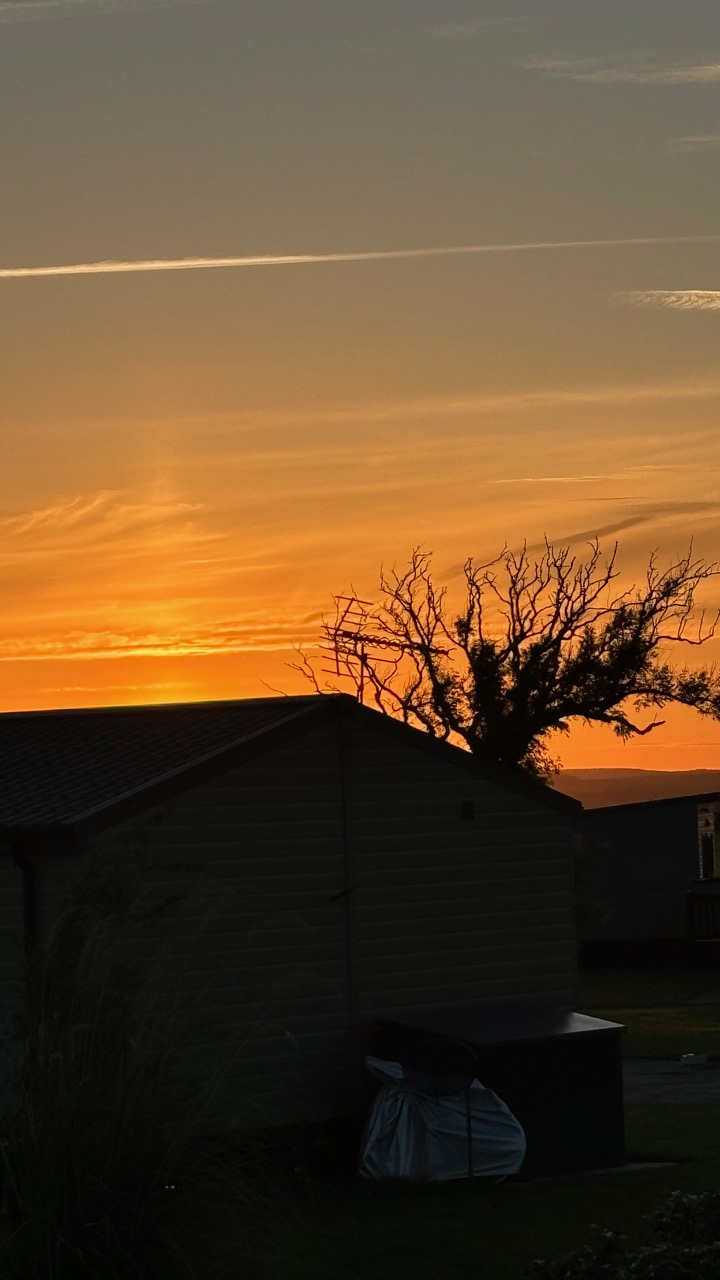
102, 1177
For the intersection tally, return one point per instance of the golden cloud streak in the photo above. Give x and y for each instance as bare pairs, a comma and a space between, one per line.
677, 299
616, 70
695, 142
269, 636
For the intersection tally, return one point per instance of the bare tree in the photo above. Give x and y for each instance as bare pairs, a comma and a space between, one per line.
538, 643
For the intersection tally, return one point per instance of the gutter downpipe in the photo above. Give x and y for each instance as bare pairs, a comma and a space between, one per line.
356, 1073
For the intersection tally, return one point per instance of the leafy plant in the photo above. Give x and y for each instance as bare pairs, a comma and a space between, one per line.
686, 1243
688, 1219
601, 1258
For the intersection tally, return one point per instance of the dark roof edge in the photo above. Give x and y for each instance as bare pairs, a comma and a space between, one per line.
163, 788
249, 741
698, 798
302, 718
151, 708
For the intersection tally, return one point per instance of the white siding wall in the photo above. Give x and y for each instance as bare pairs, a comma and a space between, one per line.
12, 968
12, 936
268, 958
450, 911
256, 946
54, 876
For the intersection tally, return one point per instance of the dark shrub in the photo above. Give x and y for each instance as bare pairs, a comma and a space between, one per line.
685, 1245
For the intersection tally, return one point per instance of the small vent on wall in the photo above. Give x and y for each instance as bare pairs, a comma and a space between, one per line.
467, 810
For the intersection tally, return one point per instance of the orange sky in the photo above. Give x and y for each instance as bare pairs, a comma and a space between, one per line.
194, 461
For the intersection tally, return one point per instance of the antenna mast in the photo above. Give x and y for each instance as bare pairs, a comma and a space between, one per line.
353, 642
349, 638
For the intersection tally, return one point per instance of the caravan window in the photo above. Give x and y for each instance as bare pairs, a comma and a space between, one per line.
706, 840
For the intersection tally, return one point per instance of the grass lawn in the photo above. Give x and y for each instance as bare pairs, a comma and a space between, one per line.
656, 1007
665, 1033
645, 988
469, 1232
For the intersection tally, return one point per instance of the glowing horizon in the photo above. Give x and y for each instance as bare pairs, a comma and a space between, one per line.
502, 325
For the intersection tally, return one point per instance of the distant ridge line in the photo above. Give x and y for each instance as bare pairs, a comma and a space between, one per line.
597, 787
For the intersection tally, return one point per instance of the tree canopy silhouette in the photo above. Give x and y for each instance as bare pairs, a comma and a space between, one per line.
538, 643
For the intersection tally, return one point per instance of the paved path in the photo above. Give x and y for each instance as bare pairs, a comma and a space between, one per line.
671, 1082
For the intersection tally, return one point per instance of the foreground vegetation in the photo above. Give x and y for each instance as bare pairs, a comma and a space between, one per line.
684, 1241
102, 1176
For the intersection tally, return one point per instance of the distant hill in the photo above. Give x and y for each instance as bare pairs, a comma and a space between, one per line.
595, 787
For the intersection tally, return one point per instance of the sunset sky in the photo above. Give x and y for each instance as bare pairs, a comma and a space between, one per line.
276, 381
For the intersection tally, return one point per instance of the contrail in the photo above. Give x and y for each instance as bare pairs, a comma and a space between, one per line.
37, 10
308, 259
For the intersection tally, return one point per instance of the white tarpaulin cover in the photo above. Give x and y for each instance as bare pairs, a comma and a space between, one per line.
423, 1138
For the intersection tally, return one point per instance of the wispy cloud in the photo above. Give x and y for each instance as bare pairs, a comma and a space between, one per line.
478, 26
250, 634
555, 398
40, 10
568, 479
218, 437
95, 518
112, 267
117, 575
617, 70
574, 67
675, 299
152, 686
111, 544
647, 513
695, 142
151, 556
644, 514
